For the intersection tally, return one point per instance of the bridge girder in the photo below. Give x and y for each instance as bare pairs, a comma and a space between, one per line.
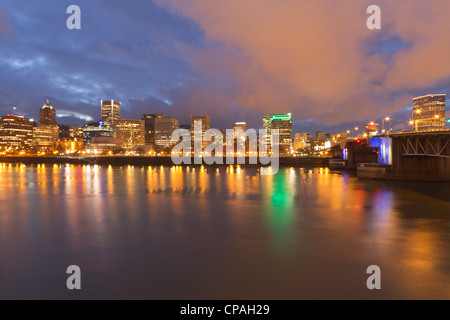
425, 145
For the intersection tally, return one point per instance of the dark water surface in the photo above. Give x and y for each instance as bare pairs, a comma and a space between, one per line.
227, 233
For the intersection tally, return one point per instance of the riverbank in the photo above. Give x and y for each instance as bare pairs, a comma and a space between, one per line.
147, 161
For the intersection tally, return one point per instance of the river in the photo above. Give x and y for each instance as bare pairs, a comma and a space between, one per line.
219, 233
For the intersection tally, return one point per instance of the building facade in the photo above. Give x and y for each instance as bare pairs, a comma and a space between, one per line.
240, 125
164, 127
46, 132
319, 136
282, 122
47, 114
16, 132
45, 136
149, 120
205, 122
130, 132
76, 133
429, 113
93, 129
300, 140
110, 111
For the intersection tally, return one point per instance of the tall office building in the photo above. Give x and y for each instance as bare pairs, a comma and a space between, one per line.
47, 114
149, 120
46, 132
205, 125
429, 113
282, 122
16, 132
110, 111
130, 132
205, 122
240, 125
164, 127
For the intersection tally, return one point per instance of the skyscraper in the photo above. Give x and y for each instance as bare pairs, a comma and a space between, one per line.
150, 130
205, 125
47, 114
164, 127
429, 113
110, 111
205, 122
240, 125
46, 132
282, 122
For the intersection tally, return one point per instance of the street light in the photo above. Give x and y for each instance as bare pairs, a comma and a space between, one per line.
436, 116
386, 120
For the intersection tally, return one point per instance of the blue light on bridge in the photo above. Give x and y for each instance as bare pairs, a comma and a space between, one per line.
385, 149
345, 154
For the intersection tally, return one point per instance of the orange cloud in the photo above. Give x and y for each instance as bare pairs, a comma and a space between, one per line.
312, 57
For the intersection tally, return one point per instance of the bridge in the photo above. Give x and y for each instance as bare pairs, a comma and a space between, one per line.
410, 156
423, 156
430, 144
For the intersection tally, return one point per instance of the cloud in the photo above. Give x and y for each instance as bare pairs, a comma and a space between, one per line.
318, 59
74, 114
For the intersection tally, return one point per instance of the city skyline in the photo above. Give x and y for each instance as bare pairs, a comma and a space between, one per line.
152, 135
224, 157
165, 60
416, 116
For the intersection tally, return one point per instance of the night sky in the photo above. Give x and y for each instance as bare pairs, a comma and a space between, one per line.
232, 59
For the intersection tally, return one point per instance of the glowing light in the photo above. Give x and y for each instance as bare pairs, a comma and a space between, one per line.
282, 117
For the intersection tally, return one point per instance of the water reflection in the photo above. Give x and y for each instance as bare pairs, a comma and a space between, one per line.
278, 192
237, 233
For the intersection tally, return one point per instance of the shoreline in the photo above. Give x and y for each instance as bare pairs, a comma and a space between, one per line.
151, 161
